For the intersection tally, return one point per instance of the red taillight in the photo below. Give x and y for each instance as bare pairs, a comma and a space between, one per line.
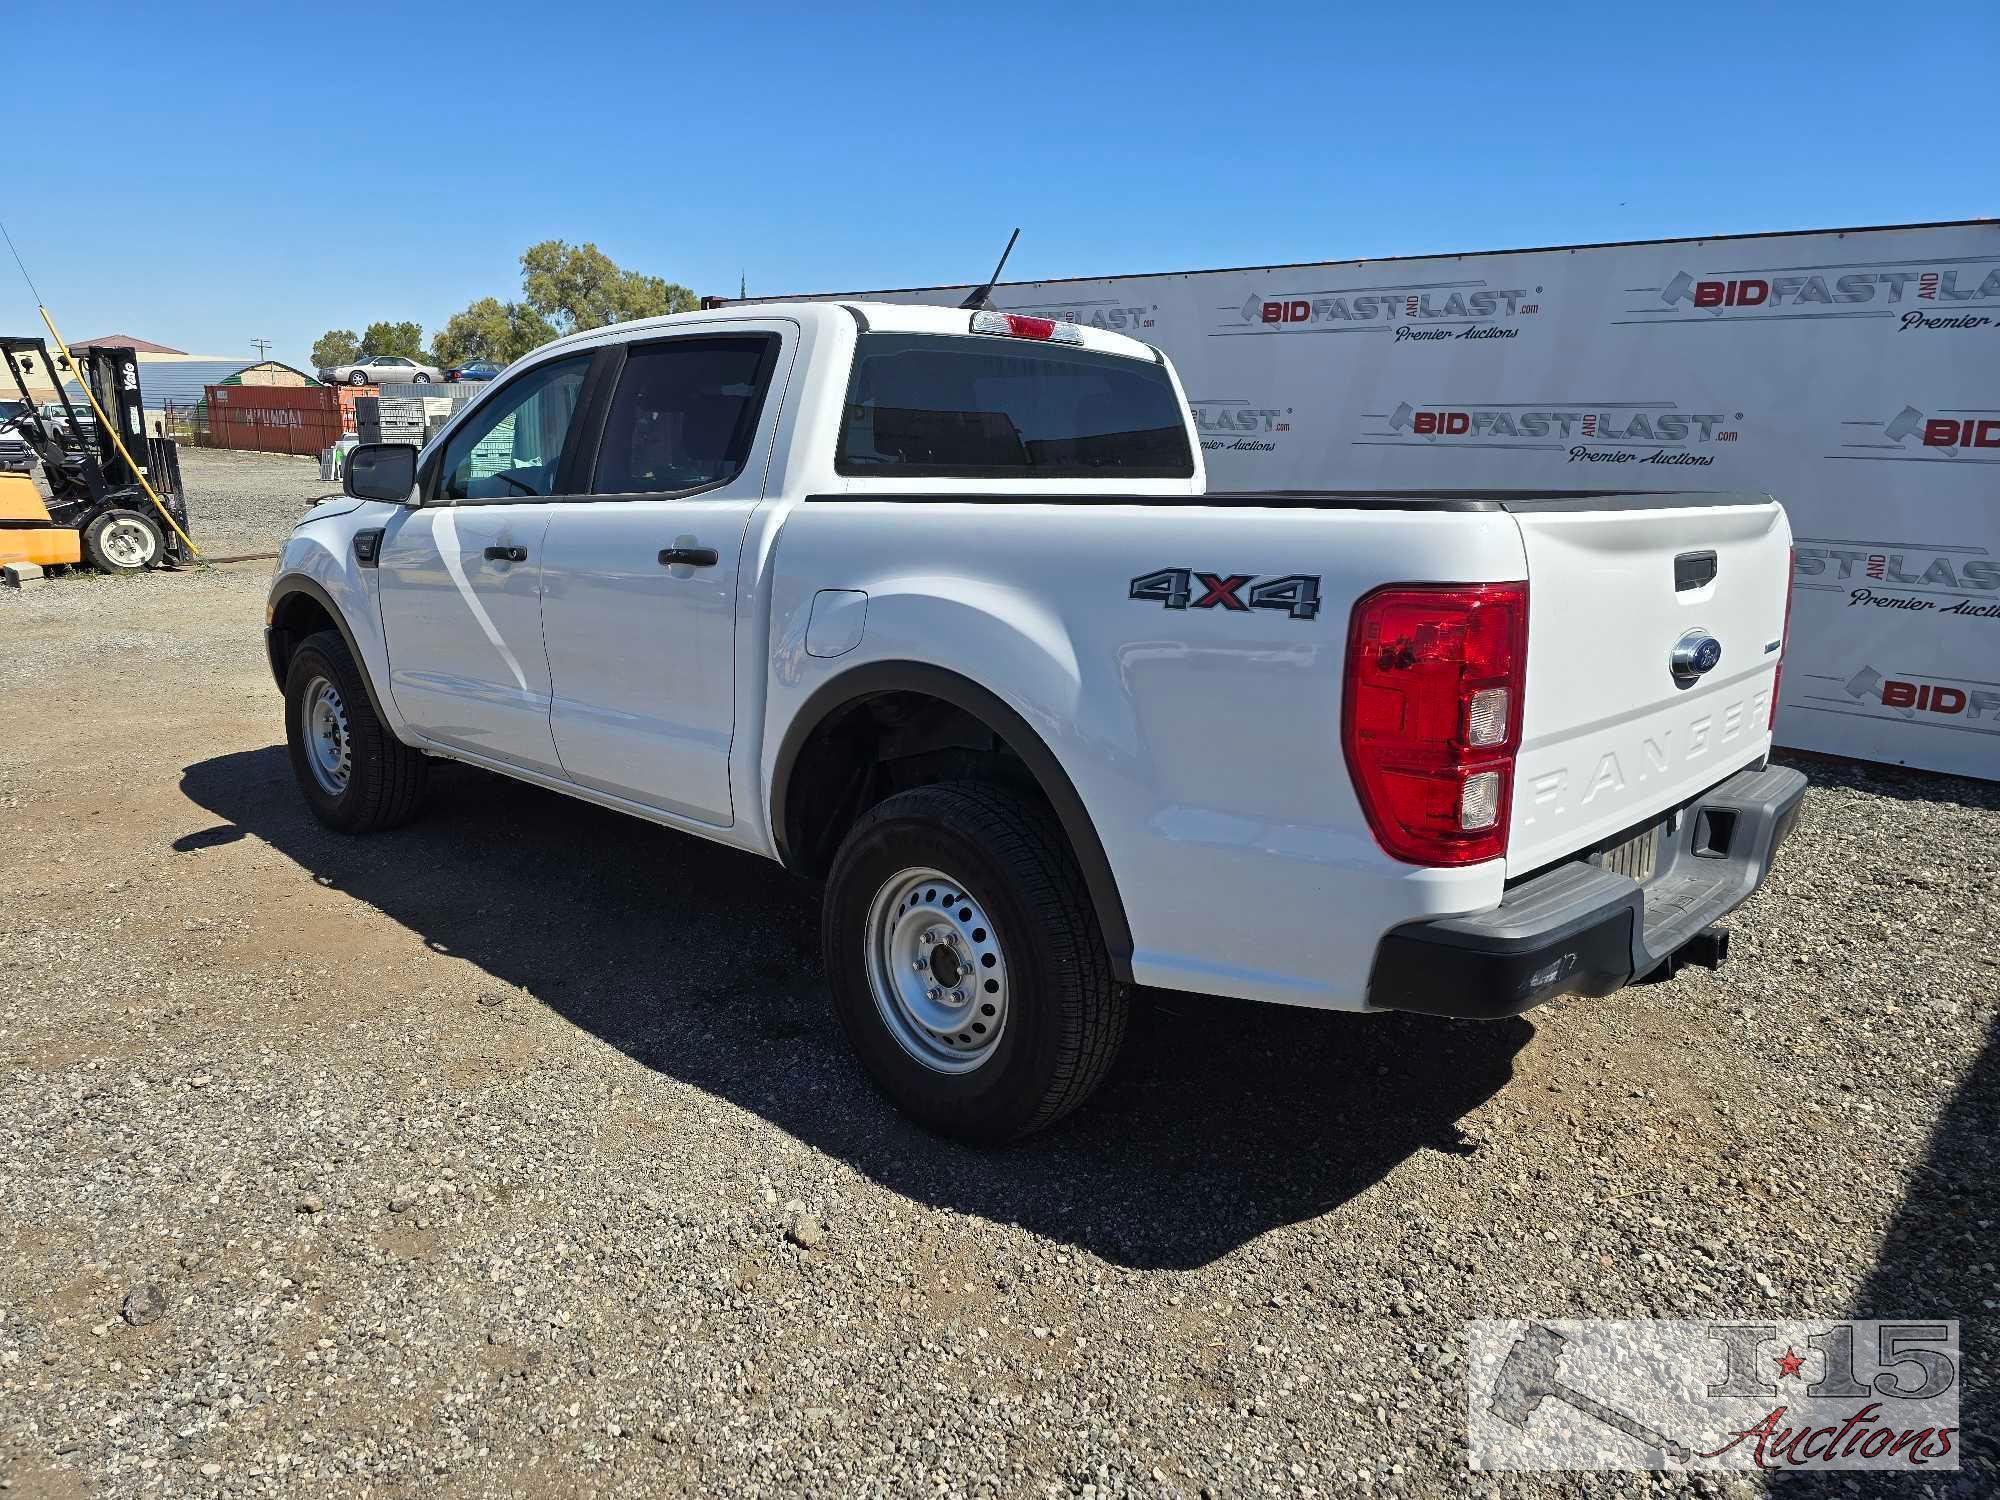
1431, 716
1018, 326
1785, 635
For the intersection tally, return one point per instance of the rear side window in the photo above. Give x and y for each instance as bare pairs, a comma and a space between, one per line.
944, 406
684, 415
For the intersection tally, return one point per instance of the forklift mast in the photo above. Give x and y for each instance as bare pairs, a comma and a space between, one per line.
113, 377
112, 372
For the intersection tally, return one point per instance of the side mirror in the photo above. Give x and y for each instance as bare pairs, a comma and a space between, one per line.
380, 471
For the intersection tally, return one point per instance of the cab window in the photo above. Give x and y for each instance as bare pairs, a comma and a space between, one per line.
512, 446
684, 414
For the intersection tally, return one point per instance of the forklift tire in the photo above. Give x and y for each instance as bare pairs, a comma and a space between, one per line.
357, 776
123, 541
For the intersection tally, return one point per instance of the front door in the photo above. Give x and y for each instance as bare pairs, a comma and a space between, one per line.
640, 580
461, 576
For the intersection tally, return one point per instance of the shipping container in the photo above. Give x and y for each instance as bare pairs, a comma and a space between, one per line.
269, 419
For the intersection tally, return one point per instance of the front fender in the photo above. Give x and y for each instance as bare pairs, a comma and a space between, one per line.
318, 562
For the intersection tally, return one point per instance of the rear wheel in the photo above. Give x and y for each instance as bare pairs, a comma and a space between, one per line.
123, 541
357, 776
966, 964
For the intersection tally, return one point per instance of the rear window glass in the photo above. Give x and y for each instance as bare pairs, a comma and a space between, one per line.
980, 407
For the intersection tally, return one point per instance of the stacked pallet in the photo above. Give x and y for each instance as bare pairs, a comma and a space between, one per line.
390, 419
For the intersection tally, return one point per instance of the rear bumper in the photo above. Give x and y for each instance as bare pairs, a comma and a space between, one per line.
1579, 928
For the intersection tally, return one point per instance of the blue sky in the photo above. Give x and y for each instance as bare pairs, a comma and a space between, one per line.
277, 184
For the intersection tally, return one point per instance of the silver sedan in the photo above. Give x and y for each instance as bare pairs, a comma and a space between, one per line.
381, 369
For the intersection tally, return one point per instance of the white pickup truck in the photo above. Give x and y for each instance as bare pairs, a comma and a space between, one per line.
931, 604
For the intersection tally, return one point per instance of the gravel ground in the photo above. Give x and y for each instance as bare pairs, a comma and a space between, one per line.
516, 1153
247, 502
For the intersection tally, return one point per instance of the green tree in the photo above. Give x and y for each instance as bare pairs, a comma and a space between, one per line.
406, 339
492, 329
337, 346
578, 286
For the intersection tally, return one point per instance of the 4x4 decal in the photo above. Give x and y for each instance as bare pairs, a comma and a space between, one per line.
1295, 593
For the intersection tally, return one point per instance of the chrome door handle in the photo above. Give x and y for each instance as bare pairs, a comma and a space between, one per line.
693, 557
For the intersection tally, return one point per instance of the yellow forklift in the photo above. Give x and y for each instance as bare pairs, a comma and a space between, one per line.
98, 508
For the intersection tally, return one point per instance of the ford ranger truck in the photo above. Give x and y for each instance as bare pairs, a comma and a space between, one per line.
931, 605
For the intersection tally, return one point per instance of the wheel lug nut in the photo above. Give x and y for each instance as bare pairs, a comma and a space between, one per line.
919, 965
958, 997
933, 992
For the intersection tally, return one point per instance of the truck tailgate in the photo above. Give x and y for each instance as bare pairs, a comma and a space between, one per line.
1611, 736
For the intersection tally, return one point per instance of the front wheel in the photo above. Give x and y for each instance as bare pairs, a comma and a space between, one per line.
966, 964
357, 777
123, 541
357, 377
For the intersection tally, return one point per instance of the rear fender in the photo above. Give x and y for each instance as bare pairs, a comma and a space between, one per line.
1027, 698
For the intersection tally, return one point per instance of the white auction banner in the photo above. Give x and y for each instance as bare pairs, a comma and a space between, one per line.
1853, 374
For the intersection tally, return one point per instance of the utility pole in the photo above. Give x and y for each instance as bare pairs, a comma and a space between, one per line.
743, 285
263, 349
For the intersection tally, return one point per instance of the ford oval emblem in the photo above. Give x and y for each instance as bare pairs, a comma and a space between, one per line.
1695, 655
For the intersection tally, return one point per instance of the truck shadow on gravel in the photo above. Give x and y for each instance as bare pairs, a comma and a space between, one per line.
1222, 1119
1936, 1262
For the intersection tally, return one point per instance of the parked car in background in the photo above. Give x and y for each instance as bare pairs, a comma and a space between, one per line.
16, 457
58, 420
381, 369
18, 450
478, 369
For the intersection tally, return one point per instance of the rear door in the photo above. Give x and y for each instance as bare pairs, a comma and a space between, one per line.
461, 577
640, 576
1611, 734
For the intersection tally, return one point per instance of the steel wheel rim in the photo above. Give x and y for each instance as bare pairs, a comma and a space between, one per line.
127, 543
329, 751
929, 940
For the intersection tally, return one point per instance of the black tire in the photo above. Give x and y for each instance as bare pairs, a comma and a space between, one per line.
420, 378
383, 785
123, 541
1065, 1012
357, 377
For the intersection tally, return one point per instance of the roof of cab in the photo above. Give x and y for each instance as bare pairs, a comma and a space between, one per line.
880, 317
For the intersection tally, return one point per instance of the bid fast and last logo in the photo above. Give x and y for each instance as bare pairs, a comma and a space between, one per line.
1237, 425
1969, 434
1589, 432
1420, 313
1960, 295
1957, 583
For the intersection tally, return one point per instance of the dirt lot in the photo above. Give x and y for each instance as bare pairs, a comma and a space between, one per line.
516, 1153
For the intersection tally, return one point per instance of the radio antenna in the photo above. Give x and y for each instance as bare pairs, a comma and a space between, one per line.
38, 291
982, 296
